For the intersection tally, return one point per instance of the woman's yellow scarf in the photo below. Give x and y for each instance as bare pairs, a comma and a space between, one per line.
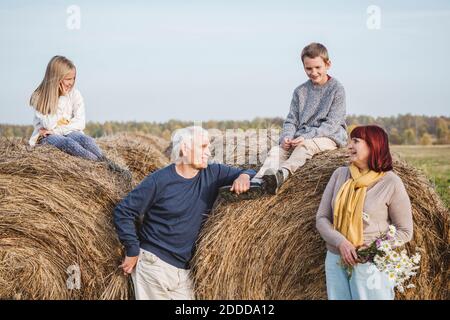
348, 206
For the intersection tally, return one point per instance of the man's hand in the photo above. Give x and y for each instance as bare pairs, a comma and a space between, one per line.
286, 143
44, 132
241, 184
297, 142
348, 252
128, 264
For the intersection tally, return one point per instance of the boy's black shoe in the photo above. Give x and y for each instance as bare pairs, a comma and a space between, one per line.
272, 180
254, 192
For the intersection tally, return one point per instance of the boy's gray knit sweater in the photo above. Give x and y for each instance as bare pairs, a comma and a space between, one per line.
317, 111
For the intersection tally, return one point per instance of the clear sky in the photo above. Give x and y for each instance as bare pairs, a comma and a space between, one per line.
201, 60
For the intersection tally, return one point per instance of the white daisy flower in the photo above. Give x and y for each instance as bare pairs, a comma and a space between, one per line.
385, 246
398, 243
416, 258
392, 231
392, 276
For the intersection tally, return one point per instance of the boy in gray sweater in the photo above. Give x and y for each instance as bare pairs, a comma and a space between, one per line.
315, 123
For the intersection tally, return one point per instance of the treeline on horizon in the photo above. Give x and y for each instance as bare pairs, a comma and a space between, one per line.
402, 129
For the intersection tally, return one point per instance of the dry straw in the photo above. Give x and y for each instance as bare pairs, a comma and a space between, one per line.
56, 212
270, 249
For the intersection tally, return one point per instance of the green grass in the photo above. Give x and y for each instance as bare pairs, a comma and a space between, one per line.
434, 161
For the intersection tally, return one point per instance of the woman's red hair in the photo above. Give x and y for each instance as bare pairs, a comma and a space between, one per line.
380, 159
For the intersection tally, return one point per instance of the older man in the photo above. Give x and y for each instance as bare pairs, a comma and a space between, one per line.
174, 201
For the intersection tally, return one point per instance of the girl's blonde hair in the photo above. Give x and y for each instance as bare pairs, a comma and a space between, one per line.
45, 98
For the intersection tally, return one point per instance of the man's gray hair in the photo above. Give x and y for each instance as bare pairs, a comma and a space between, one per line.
184, 135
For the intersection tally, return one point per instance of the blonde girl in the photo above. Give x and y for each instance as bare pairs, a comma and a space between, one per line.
59, 117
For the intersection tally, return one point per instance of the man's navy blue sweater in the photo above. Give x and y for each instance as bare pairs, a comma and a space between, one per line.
174, 209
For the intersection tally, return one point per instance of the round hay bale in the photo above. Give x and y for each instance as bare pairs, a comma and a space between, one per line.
141, 153
246, 149
56, 219
269, 248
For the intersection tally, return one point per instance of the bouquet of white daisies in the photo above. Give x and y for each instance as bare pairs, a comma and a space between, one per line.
395, 263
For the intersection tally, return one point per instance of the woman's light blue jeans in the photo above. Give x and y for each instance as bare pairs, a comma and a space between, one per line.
365, 283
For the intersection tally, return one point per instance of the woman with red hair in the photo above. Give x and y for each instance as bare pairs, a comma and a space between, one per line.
358, 205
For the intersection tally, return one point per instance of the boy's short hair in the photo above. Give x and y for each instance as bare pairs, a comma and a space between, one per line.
314, 50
